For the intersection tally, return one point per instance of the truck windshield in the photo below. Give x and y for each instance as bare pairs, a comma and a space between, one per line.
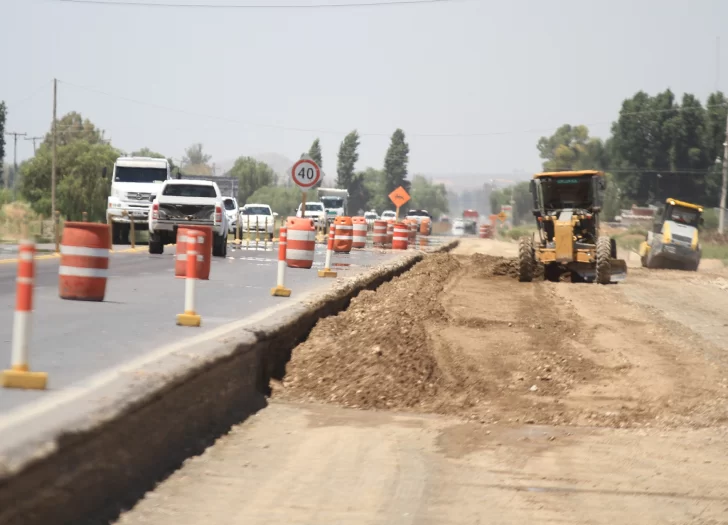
686, 216
314, 207
418, 213
256, 210
332, 202
189, 190
147, 175
229, 204
567, 193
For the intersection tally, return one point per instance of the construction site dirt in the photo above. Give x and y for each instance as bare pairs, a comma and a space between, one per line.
457, 394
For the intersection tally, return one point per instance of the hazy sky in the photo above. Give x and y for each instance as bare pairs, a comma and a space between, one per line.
258, 80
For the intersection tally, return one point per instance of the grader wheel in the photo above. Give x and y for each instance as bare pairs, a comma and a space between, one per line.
604, 265
526, 260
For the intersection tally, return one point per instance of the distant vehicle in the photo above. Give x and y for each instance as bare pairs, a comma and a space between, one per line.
388, 215
180, 203
370, 217
257, 218
335, 202
470, 218
134, 183
418, 215
458, 227
232, 211
315, 211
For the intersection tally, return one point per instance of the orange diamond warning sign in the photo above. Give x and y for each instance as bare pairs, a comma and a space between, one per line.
399, 196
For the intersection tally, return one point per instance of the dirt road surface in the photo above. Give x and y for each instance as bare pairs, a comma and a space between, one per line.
457, 395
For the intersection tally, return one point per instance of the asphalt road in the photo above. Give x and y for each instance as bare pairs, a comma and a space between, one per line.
73, 340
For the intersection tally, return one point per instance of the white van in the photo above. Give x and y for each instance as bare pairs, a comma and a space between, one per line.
135, 182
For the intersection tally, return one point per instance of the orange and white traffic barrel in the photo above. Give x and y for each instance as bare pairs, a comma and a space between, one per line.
280, 290
19, 376
390, 231
344, 234
360, 232
400, 236
425, 226
483, 231
379, 236
413, 228
84, 264
204, 251
301, 242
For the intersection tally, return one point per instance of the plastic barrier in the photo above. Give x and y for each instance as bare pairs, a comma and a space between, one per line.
84, 264
190, 317
400, 236
19, 375
204, 251
280, 290
425, 226
485, 231
379, 237
413, 229
360, 232
327, 271
344, 239
390, 231
301, 242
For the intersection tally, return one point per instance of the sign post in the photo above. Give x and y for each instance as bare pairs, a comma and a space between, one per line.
399, 197
305, 174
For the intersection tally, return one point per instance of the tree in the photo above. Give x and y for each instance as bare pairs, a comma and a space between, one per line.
282, 200
348, 156
428, 196
80, 185
3, 116
315, 153
252, 175
73, 127
395, 163
570, 148
195, 162
146, 152
375, 189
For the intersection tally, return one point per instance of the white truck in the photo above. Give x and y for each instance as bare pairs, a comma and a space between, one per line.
315, 211
180, 203
134, 183
258, 218
335, 202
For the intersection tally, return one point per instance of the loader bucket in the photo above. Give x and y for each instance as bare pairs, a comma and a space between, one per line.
619, 270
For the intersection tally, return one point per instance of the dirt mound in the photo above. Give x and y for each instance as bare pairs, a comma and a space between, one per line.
376, 354
490, 265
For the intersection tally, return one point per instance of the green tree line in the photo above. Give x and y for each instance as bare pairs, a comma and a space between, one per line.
658, 147
83, 154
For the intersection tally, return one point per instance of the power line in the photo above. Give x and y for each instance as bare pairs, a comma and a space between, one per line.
32, 94
33, 139
367, 134
376, 3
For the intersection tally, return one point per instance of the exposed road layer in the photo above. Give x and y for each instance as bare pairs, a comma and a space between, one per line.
527, 403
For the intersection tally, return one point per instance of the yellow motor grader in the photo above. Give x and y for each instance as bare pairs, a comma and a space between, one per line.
567, 205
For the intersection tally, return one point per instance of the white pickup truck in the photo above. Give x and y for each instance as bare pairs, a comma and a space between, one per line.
180, 203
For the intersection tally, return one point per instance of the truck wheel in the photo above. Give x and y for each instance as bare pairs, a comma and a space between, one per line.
525, 260
156, 246
604, 265
552, 272
219, 246
613, 248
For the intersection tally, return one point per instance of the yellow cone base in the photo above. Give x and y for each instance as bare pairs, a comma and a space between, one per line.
189, 319
280, 291
24, 380
326, 272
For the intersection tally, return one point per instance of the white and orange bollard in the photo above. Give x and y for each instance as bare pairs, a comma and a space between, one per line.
327, 271
190, 317
19, 375
280, 290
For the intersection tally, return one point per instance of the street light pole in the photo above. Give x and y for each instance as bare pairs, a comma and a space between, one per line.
724, 185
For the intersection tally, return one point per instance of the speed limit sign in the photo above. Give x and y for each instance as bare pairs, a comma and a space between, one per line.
305, 173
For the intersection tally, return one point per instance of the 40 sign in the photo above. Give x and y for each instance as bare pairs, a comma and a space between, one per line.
305, 173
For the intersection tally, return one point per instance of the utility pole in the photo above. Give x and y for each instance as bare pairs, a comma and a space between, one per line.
53, 162
33, 139
724, 186
15, 135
